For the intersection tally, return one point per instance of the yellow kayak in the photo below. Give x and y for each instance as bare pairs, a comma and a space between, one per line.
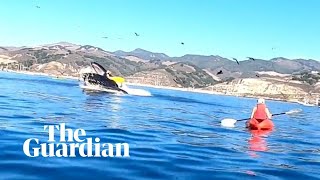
117, 79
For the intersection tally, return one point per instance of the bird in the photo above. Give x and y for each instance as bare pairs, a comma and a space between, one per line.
251, 58
220, 72
105, 37
38, 7
136, 34
236, 60
182, 43
257, 75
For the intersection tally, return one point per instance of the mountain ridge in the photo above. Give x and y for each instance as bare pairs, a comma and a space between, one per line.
213, 63
143, 54
139, 60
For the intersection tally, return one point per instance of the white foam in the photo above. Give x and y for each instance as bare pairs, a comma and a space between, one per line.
138, 92
99, 88
130, 91
228, 122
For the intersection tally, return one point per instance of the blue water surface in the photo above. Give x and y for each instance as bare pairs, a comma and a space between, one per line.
172, 134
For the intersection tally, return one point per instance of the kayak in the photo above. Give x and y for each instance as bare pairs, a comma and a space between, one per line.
260, 125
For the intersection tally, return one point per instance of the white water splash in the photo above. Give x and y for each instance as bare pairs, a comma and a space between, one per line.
130, 91
136, 92
99, 88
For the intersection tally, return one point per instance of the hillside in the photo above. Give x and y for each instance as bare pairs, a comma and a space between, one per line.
142, 54
246, 68
174, 75
311, 78
67, 59
188, 71
269, 88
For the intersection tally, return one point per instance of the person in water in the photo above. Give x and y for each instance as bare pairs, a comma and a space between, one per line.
260, 112
108, 74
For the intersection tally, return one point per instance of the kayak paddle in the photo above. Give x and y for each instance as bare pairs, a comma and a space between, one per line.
231, 122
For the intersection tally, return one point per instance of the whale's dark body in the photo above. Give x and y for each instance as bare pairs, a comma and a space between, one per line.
100, 78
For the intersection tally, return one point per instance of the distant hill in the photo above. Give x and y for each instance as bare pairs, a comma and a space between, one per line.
67, 59
178, 74
308, 77
279, 78
280, 65
142, 54
247, 68
203, 62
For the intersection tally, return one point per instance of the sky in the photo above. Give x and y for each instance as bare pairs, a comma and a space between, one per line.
229, 28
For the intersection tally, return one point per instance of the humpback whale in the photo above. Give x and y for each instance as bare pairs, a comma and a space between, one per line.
99, 78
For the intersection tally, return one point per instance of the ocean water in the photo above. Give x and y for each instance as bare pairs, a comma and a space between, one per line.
172, 134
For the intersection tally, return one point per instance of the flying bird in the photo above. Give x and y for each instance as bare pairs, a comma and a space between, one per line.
182, 43
236, 60
251, 58
136, 34
220, 72
105, 37
38, 7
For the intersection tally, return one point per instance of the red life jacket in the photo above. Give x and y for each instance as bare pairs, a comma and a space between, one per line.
260, 113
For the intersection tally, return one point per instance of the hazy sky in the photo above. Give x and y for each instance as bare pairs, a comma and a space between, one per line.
230, 28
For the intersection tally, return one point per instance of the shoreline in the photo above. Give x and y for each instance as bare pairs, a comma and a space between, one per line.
40, 74
163, 87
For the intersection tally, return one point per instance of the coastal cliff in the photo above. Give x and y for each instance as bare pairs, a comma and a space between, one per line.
269, 88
